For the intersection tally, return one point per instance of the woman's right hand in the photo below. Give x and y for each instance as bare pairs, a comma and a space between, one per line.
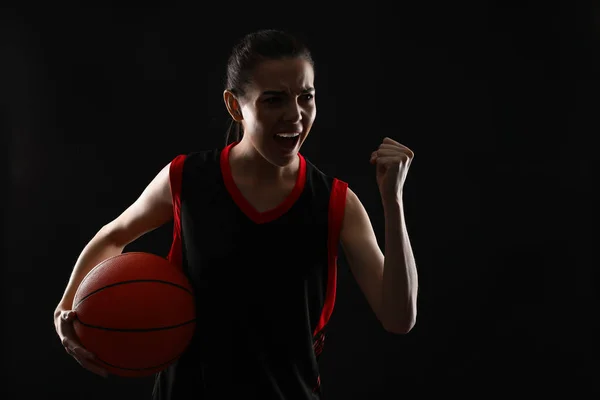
63, 322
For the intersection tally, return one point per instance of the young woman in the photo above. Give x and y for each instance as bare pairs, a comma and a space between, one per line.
256, 230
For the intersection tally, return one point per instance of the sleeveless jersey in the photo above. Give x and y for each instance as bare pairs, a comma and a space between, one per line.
264, 282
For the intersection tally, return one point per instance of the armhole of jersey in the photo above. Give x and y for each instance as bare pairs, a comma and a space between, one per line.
176, 179
337, 206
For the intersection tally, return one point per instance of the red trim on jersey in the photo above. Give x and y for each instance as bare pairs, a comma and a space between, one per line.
337, 205
245, 206
317, 388
176, 177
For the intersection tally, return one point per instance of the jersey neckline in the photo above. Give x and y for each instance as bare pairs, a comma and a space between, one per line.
245, 206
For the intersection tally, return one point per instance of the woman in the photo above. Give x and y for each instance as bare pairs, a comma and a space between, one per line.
256, 231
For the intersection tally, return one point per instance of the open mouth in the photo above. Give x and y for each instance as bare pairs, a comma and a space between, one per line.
287, 141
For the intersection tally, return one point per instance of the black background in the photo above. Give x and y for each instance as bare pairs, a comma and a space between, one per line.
498, 102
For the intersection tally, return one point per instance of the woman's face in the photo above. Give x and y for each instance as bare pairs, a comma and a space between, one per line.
279, 108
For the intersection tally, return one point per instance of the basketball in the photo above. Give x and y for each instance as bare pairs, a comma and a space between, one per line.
136, 313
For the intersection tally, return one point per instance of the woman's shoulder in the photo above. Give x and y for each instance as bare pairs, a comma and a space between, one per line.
323, 171
324, 174
199, 156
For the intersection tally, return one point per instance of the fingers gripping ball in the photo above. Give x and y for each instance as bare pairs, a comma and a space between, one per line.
136, 313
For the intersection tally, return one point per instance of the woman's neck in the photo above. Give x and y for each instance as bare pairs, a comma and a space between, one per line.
250, 166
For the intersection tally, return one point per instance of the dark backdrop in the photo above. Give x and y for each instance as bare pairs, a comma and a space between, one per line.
498, 103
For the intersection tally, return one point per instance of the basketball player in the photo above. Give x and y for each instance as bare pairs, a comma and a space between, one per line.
257, 228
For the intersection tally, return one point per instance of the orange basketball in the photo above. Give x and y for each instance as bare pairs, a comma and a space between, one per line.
136, 313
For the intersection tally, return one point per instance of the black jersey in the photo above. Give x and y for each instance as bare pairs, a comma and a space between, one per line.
264, 282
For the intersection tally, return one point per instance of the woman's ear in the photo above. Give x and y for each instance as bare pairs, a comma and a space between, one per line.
233, 106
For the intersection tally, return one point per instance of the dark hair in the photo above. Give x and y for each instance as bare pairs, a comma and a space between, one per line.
253, 48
